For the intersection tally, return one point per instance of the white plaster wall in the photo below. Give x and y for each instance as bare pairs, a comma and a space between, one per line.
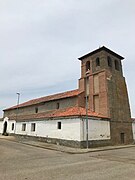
133, 129
97, 129
9, 125
1, 127
70, 129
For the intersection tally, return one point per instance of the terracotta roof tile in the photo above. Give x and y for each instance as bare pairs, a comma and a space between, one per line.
72, 111
47, 98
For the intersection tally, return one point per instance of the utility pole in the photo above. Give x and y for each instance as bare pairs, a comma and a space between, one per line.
87, 135
18, 99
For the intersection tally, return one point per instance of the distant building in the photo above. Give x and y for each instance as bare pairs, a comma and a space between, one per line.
61, 118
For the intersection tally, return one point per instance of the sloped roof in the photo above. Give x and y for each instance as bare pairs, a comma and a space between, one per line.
101, 49
67, 112
47, 98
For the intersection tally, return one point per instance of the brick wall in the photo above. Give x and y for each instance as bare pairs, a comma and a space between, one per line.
112, 95
51, 105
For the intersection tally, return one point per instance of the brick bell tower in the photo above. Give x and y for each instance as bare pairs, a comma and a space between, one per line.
103, 83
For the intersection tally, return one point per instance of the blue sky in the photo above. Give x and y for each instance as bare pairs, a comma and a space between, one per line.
40, 41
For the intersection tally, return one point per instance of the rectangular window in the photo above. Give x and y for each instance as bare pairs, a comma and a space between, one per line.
57, 105
13, 126
33, 126
24, 127
59, 125
122, 137
36, 109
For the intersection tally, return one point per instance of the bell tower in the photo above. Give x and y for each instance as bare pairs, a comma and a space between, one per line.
103, 83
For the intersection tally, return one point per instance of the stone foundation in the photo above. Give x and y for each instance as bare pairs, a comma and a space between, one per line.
95, 143
69, 143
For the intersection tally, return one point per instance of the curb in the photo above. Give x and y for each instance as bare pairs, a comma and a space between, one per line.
70, 151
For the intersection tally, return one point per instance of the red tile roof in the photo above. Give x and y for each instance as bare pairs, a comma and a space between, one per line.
47, 98
67, 112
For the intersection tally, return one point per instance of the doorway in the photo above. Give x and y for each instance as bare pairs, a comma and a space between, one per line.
5, 128
122, 138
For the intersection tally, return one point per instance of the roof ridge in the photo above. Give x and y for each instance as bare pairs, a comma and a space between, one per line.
56, 96
65, 112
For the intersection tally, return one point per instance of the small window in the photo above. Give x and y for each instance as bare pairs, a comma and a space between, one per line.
109, 60
87, 65
59, 125
117, 65
33, 126
57, 105
13, 125
24, 127
36, 109
122, 137
98, 62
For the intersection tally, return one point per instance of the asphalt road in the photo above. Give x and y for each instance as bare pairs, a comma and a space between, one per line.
20, 162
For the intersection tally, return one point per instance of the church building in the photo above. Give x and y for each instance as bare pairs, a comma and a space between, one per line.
95, 114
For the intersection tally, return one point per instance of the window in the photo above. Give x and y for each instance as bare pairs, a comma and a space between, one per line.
116, 65
13, 125
122, 137
109, 60
59, 125
33, 126
98, 62
87, 65
57, 105
24, 127
36, 109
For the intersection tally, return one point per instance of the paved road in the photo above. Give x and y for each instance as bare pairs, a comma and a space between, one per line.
21, 162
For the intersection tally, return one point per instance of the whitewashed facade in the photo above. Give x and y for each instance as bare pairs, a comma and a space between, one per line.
133, 127
70, 128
